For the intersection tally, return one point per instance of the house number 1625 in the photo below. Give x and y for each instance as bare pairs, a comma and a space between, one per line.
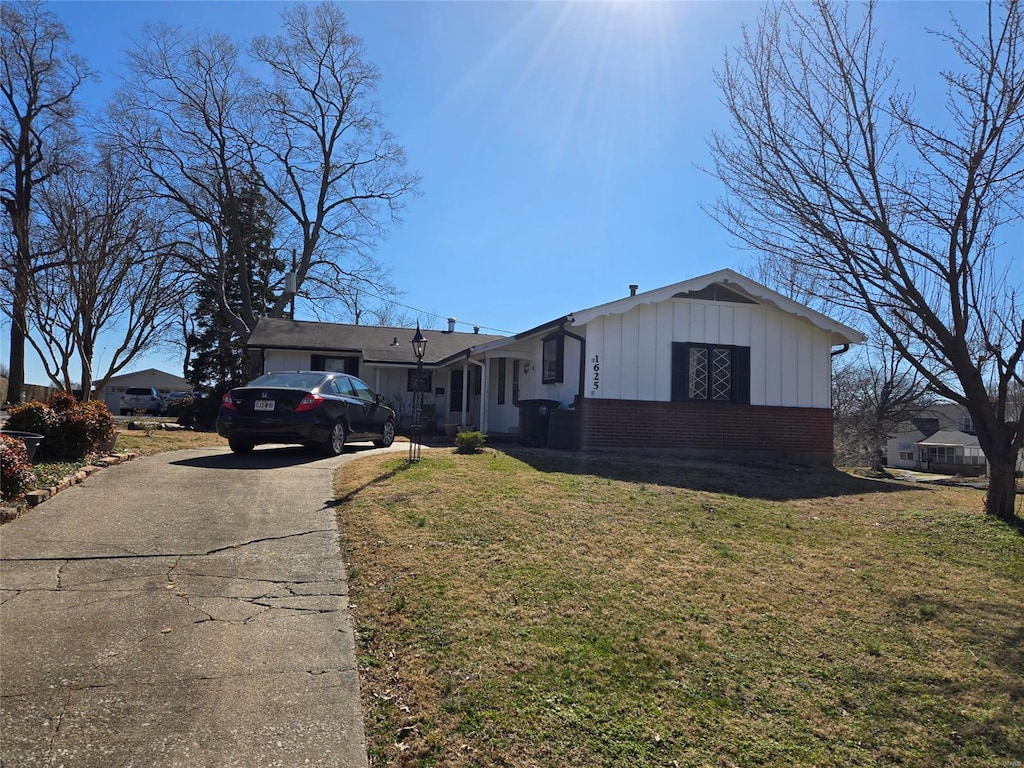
597, 371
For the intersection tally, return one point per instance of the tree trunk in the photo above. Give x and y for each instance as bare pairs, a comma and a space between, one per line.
1002, 487
19, 312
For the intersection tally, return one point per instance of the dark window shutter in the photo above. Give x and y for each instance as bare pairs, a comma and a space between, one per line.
680, 362
741, 375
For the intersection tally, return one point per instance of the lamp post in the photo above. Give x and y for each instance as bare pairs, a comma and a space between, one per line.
419, 348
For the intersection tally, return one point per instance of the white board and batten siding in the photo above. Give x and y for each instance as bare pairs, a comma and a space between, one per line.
629, 355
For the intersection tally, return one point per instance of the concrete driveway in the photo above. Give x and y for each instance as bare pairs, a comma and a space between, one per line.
187, 609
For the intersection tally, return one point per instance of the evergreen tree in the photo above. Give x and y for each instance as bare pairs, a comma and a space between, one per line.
217, 351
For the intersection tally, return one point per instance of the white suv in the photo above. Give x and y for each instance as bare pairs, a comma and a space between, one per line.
141, 399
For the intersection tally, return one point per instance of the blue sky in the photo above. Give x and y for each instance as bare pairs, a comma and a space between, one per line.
559, 143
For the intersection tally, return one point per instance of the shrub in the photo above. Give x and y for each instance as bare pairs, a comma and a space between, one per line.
15, 471
71, 429
33, 416
469, 442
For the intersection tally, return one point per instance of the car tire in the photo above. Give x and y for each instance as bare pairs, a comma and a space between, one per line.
387, 435
335, 444
124, 411
240, 446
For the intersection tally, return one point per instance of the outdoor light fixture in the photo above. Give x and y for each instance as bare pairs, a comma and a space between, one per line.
419, 344
419, 348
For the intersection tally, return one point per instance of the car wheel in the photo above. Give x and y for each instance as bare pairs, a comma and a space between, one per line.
336, 442
124, 411
387, 435
240, 446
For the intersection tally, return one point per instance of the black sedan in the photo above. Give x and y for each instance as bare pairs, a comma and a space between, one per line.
315, 408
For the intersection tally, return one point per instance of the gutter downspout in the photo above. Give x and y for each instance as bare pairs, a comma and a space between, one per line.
837, 352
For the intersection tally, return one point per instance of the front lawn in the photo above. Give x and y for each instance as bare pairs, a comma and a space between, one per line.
538, 609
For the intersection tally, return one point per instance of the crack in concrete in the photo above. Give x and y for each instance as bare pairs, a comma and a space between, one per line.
150, 555
60, 720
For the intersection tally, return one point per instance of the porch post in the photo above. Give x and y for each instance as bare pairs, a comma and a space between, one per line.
485, 372
465, 393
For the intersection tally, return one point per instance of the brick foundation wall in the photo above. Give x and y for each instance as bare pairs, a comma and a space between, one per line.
802, 435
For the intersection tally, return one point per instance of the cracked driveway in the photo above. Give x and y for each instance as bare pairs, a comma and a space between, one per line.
187, 609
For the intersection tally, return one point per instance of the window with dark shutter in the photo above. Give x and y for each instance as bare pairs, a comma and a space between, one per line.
553, 364
710, 373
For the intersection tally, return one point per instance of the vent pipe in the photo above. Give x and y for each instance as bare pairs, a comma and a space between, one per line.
633, 289
451, 325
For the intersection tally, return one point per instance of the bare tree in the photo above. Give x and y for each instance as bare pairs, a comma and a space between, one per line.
872, 396
39, 76
198, 120
114, 273
829, 170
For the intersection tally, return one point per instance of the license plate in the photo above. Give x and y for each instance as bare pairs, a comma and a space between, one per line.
263, 405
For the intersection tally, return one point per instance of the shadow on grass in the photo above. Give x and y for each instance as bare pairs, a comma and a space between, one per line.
770, 482
266, 457
353, 492
999, 643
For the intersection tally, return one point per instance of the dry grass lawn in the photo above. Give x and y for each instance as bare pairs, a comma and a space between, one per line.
534, 608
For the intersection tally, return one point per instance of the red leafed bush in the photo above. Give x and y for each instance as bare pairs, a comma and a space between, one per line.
15, 471
71, 429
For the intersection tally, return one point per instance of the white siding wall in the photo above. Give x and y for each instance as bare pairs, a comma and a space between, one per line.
789, 359
531, 384
285, 360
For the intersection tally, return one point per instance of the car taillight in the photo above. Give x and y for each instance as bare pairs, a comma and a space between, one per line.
227, 402
308, 403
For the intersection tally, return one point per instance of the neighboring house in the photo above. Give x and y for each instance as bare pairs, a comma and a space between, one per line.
945, 416
901, 450
714, 366
945, 452
380, 356
164, 382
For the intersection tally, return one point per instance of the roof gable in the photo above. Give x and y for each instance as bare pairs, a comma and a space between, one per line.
724, 285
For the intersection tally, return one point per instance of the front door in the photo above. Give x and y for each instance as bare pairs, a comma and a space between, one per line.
455, 395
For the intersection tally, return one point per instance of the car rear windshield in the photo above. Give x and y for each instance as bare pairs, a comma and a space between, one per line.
293, 379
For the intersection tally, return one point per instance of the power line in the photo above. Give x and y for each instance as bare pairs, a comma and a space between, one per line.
435, 315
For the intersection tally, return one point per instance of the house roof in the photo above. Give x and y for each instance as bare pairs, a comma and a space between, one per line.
377, 344
946, 437
738, 288
148, 375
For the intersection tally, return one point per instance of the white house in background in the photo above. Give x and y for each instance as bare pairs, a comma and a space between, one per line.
901, 450
945, 452
151, 377
718, 365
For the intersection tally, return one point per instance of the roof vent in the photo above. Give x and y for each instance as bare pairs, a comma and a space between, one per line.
451, 325
394, 343
633, 289
476, 329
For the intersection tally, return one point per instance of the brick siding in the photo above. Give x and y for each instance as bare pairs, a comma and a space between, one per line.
709, 429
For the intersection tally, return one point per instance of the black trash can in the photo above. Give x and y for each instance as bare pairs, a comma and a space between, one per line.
564, 430
534, 416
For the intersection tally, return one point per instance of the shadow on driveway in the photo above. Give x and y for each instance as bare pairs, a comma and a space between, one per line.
266, 457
